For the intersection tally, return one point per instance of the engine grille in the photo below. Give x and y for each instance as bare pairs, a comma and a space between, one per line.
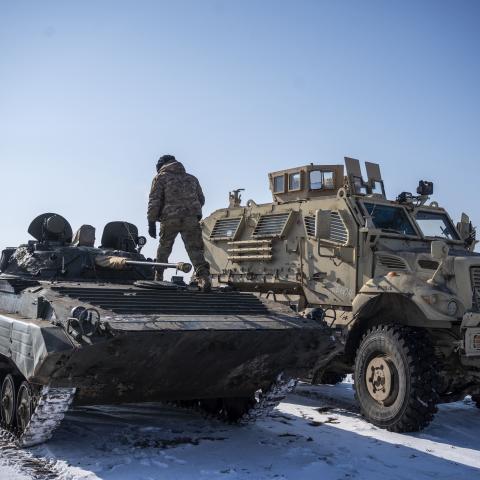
475, 278
271, 225
167, 301
226, 229
309, 225
338, 231
391, 262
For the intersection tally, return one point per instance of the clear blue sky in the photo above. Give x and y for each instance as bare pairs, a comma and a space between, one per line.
92, 92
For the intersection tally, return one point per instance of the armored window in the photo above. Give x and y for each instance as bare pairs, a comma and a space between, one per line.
435, 224
390, 219
328, 180
316, 181
279, 184
360, 188
320, 180
294, 181
377, 188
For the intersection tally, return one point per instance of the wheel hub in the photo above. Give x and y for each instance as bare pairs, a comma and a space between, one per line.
24, 407
8, 401
379, 378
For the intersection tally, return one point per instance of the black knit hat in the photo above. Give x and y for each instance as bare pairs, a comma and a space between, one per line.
164, 159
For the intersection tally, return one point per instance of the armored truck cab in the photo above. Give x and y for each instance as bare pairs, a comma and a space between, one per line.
397, 277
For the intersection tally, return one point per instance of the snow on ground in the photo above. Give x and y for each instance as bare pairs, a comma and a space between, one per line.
315, 434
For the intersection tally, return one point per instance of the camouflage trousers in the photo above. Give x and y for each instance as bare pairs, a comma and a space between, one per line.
189, 229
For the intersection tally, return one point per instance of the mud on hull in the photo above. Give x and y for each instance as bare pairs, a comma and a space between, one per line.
174, 365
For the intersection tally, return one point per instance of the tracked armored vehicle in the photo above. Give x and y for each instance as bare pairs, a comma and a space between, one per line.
90, 326
396, 278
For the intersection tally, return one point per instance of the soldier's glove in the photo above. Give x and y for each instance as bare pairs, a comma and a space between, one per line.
152, 229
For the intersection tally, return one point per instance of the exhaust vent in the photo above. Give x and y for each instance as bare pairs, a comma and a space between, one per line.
390, 262
136, 301
272, 225
226, 229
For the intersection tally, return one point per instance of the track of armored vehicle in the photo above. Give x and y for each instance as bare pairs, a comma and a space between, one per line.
85, 325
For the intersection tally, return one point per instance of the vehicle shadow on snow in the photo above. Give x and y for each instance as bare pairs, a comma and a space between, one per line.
456, 424
154, 441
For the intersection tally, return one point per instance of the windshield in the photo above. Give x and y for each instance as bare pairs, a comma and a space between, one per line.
390, 219
434, 224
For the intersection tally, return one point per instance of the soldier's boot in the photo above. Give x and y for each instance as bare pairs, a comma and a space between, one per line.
159, 275
204, 283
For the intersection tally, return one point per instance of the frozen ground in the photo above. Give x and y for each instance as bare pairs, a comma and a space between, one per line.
315, 434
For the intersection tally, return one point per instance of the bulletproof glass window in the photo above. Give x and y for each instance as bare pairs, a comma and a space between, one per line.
390, 219
377, 188
328, 180
434, 224
316, 182
321, 180
279, 184
294, 181
359, 186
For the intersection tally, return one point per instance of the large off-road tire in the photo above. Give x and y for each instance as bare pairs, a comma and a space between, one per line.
395, 378
476, 400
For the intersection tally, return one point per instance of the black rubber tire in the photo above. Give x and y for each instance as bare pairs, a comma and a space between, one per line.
329, 378
476, 400
414, 399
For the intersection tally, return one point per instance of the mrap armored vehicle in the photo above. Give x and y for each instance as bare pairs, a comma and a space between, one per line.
398, 280
88, 325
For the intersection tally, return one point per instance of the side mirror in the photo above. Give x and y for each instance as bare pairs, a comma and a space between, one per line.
322, 224
439, 250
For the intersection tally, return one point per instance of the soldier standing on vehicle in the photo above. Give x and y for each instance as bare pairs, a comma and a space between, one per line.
176, 201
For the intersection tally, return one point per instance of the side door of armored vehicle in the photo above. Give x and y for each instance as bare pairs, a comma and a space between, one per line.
331, 251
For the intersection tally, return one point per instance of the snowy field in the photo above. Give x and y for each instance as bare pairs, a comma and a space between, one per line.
315, 434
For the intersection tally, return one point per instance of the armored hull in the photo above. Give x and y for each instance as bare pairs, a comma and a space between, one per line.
82, 341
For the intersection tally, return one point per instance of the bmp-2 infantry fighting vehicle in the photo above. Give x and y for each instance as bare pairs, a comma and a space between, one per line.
86, 324
397, 278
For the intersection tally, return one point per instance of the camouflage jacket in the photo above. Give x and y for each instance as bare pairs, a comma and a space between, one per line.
174, 193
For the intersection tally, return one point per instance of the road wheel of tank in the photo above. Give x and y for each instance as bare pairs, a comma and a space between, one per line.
25, 405
7, 407
395, 378
233, 409
328, 378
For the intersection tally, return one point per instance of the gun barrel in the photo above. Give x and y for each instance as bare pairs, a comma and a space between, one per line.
182, 266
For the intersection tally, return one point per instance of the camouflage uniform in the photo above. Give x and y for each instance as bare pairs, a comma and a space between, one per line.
176, 201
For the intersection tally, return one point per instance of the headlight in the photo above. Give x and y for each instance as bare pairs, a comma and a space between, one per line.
443, 304
452, 308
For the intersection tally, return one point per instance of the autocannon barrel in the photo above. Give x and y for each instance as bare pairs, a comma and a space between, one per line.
115, 262
182, 266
